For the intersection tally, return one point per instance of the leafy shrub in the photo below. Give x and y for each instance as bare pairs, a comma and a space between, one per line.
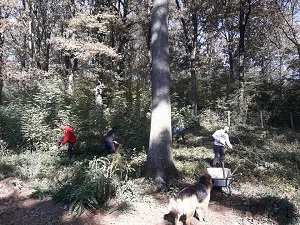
89, 187
137, 161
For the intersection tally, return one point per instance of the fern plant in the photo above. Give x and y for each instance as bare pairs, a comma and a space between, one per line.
90, 186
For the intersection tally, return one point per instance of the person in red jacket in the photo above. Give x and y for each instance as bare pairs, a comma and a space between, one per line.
69, 138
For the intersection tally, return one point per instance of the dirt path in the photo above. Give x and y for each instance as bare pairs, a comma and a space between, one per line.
16, 208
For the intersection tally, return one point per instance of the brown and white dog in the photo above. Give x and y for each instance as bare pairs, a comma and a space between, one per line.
191, 199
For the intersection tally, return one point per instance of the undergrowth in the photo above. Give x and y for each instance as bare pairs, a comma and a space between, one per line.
80, 184
266, 180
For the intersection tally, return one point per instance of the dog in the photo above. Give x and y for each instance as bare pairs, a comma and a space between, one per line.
194, 198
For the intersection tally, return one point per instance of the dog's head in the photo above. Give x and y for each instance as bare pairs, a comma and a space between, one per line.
206, 179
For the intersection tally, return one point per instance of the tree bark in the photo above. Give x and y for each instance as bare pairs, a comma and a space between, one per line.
193, 58
245, 10
1, 65
2, 16
159, 159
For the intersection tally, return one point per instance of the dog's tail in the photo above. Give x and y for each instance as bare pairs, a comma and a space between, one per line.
175, 206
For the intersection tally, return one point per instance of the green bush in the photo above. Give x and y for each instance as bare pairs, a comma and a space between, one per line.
10, 125
89, 186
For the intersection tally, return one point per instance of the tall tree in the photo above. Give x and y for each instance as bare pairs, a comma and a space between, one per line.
81, 44
1, 52
288, 11
227, 21
245, 10
159, 158
193, 19
6, 10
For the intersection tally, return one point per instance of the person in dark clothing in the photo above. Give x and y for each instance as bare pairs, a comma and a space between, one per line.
109, 141
69, 137
179, 132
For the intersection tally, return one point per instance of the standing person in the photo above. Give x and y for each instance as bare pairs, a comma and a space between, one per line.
221, 139
109, 141
69, 137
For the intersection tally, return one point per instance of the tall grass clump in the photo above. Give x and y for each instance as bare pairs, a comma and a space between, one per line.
89, 186
92, 183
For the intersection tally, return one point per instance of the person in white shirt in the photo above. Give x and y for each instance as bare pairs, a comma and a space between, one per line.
221, 139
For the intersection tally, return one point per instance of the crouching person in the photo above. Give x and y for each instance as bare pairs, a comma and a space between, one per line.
69, 137
109, 142
179, 132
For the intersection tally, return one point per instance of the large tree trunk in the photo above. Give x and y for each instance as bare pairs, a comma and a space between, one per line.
159, 160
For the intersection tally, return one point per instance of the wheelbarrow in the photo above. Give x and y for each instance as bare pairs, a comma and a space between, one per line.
222, 177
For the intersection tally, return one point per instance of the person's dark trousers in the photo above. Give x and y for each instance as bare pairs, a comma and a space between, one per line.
109, 147
70, 150
219, 154
70, 147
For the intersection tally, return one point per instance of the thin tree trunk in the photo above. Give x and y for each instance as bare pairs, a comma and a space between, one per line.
98, 94
193, 66
1, 67
191, 50
194, 87
261, 119
245, 10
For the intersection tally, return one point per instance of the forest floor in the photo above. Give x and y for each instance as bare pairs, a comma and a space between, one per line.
17, 208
